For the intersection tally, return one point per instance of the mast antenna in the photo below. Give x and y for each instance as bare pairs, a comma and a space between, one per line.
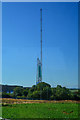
41, 37
39, 61
41, 34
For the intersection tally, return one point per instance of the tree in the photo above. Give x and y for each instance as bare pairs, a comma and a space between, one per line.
30, 95
77, 95
41, 85
34, 87
40, 91
59, 86
63, 93
18, 91
25, 91
36, 94
53, 94
46, 93
6, 95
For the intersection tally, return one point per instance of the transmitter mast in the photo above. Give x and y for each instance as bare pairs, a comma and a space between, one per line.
39, 62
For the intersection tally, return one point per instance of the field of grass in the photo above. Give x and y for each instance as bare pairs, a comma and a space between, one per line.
41, 110
74, 90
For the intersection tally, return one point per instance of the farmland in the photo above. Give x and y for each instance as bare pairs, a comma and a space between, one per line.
17, 108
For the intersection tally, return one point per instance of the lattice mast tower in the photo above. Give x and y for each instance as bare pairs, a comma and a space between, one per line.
41, 34
39, 62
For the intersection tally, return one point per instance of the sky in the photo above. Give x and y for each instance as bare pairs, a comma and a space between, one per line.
21, 43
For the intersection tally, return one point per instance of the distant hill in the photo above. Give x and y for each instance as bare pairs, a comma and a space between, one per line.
10, 88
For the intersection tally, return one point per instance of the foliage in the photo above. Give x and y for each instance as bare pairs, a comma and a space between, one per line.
36, 94
43, 91
40, 91
41, 85
25, 91
53, 94
46, 93
5, 95
62, 93
18, 91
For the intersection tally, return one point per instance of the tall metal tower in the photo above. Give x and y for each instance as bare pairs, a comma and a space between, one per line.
41, 34
39, 62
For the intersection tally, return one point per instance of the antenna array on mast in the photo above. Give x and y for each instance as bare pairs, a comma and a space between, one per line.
39, 61
41, 34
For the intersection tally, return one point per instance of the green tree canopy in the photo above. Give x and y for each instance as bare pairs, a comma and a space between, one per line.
25, 91
18, 91
41, 85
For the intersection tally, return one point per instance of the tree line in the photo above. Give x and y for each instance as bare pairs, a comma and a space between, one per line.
43, 91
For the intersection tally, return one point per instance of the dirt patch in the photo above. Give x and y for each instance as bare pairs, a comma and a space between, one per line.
23, 101
67, 112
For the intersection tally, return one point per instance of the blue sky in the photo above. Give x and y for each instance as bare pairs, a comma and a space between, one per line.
21, 43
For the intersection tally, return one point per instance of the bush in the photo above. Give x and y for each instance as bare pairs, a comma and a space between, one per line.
6, 95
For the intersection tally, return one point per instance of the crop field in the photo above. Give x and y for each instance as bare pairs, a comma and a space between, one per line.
14, 108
